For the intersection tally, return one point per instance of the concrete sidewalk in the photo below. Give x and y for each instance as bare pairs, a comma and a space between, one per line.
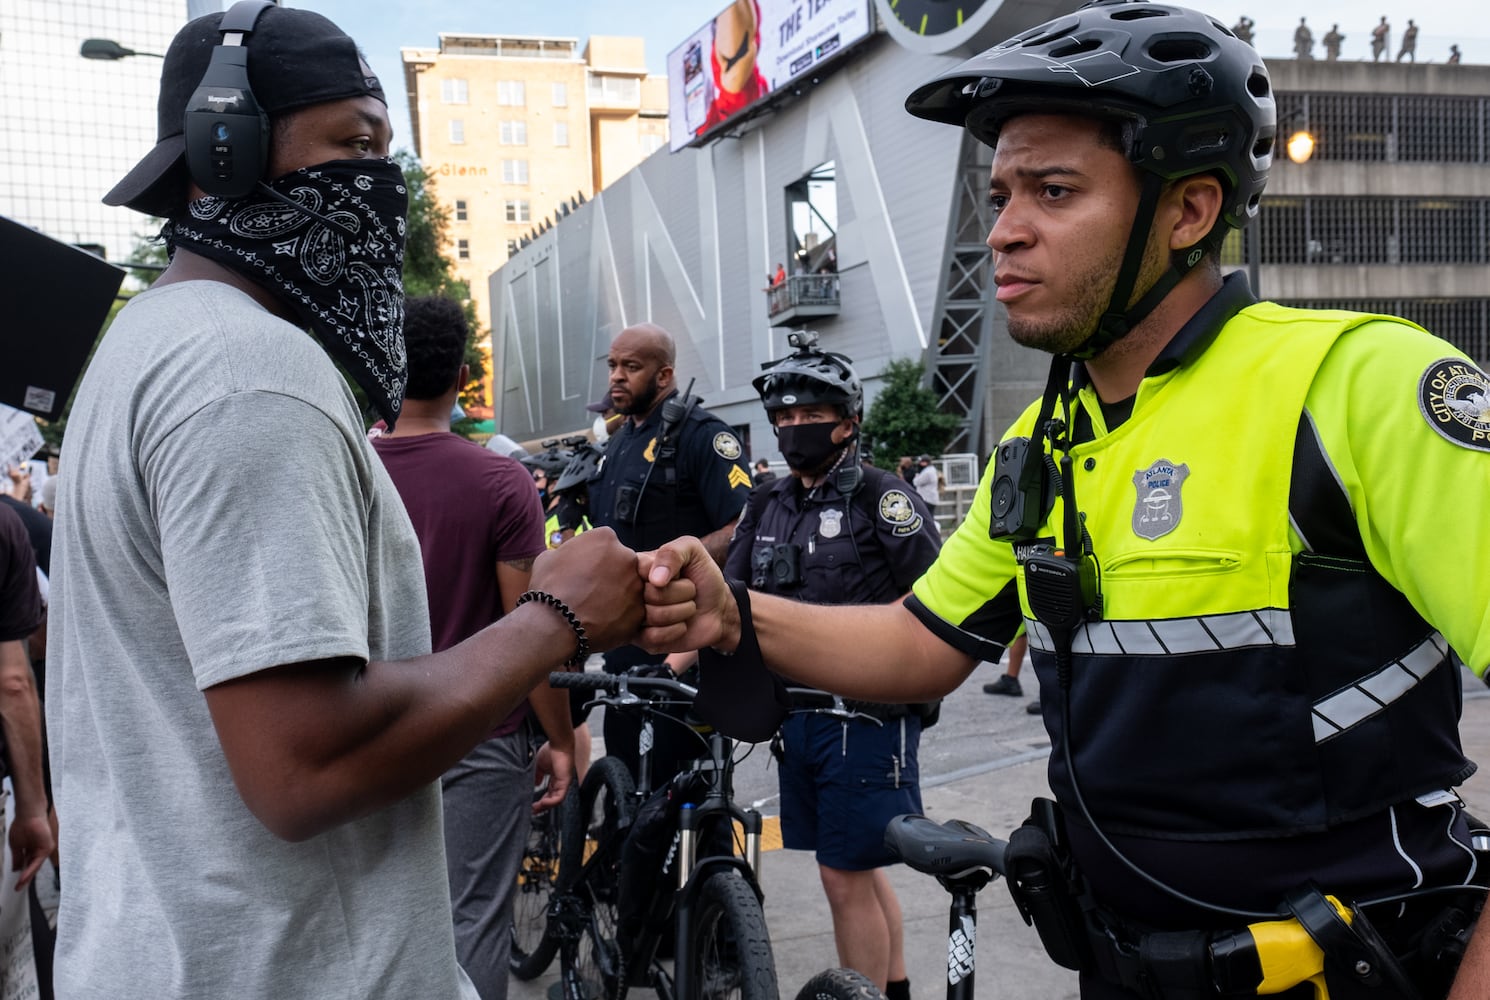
1011, 964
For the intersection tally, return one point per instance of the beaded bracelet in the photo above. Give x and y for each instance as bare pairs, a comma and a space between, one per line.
582, 650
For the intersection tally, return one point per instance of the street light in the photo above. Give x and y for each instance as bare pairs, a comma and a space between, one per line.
108, 49
1300, 146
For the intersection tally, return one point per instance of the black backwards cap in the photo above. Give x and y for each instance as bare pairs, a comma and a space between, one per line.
296, 58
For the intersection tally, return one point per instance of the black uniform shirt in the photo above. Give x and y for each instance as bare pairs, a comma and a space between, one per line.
703, 491
865, 550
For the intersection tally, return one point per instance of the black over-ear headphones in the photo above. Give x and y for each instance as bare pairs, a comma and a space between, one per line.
227, 133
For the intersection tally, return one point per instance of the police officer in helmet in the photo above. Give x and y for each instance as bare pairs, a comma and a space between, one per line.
801, 392
838, 532
1212, 528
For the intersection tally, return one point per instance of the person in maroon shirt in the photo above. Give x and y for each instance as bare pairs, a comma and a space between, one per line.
33, 835
480, 526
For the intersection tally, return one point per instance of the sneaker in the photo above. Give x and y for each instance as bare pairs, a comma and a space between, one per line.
1033, 708
1005, 685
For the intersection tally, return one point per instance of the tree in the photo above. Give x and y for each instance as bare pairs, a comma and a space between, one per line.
427, 271
904, 419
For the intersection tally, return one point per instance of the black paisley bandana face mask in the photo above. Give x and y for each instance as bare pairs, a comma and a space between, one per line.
329, 241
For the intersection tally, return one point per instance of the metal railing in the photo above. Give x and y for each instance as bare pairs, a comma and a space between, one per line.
1392, 128
1318, 231
803, 290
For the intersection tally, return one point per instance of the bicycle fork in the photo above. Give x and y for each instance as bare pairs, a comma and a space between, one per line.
684, 966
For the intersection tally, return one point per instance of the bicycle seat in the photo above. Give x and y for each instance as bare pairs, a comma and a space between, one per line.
956, 851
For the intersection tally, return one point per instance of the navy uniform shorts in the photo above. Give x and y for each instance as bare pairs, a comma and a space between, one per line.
838, 804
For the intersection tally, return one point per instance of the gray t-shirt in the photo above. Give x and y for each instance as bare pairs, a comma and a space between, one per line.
222, 514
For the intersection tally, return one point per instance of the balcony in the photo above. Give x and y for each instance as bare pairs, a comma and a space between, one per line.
802, 296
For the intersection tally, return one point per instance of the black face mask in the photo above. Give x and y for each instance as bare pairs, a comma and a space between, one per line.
809, 448
329, 241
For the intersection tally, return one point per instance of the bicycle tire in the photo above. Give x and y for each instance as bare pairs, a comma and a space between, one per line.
840, 984
729, 943
594, 969
534, 939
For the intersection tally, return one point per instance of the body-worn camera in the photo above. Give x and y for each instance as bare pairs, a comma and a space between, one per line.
627, 497
776, 565
1019, 496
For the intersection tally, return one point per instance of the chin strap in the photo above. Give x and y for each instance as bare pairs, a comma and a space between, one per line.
1117, 322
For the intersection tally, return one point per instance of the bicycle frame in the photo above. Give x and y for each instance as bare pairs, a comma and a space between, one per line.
692, 870
678, 900
964, 859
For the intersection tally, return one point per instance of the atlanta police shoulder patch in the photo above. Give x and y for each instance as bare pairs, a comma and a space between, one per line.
1454, 397
897, 510
727, 446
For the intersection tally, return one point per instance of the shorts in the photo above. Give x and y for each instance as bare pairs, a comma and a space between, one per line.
838, 804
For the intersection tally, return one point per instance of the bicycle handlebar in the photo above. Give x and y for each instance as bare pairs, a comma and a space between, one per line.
621, 684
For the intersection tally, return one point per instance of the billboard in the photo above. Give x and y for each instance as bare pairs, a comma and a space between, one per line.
750, 49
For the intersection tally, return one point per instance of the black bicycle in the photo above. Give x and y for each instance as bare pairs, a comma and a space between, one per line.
641, 866
964, 859
535, 940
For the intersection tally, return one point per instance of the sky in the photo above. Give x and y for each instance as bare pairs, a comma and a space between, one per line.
383, 27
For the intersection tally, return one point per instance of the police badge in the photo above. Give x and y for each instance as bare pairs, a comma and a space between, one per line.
1159, 505
830, 523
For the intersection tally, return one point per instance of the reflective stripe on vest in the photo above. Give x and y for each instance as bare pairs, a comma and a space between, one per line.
1174, 636
1373, 693
1333, 715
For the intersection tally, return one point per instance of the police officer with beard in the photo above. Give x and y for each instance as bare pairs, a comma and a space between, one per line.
672, 468
838, 532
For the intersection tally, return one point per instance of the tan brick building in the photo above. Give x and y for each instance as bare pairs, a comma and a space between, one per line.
512, 127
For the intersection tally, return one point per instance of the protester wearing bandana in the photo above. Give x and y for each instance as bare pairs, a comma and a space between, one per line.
247, 723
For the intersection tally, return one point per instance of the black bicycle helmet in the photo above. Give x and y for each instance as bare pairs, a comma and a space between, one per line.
1192, 99
551, 460
580, 469
1198, 98
807, 376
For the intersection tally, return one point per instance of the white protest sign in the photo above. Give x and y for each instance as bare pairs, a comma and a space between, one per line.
19, 436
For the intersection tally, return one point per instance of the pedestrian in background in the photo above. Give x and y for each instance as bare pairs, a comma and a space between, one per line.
1409, 50
480, 527
927, 481
30, 825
